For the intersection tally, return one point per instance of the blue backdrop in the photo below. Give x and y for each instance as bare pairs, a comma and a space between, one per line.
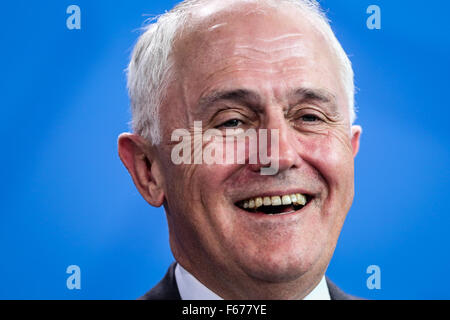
67, 200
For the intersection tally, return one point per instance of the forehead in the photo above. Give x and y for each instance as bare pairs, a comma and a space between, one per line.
255, 48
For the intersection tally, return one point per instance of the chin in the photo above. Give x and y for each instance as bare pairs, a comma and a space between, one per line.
279, 267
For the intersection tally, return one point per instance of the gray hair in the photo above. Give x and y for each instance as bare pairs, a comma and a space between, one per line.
150, 65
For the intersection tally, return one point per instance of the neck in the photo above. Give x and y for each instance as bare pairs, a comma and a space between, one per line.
238, 286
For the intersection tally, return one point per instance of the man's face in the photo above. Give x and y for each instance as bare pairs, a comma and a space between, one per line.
259, 71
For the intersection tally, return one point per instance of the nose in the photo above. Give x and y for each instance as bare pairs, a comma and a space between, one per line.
277, 146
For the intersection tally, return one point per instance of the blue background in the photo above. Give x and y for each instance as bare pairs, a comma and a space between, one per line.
66, 198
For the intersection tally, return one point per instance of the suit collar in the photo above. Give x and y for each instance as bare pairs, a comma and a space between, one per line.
167, 289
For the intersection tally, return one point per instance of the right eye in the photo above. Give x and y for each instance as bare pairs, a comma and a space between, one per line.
233, 123
310, 118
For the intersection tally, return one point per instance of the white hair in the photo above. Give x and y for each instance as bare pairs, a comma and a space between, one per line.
150, 65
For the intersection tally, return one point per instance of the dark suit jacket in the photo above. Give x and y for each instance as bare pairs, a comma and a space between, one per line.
167, 289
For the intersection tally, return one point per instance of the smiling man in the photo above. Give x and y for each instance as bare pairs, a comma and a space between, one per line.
243, 66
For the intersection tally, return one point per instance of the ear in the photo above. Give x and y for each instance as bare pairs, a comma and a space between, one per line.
356, 135
138, 156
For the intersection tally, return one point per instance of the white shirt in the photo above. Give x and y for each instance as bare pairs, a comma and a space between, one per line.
192, 289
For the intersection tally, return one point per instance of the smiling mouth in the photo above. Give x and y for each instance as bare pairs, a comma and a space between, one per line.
275, 205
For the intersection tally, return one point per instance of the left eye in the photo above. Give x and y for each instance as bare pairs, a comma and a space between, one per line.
231, 123
310, 118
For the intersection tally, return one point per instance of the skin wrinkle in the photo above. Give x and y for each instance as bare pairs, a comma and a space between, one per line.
217, 26
273, 61
299, 36
282, 37
271, 71
289, 51
269, 51
264, 49
275, 56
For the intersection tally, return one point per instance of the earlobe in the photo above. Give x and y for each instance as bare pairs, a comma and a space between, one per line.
136, 155
356, 135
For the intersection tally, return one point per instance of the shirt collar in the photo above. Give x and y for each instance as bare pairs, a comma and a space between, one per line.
192, 289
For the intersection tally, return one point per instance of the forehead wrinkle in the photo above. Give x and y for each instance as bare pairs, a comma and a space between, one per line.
218, 25
223, 77
268, 50
272, 51
273, 61
273, 57
263, 42
282, 37
288, 73
270, 45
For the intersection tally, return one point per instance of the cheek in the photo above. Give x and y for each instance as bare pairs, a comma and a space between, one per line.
330, 154
331, 157
197, 185
200, 179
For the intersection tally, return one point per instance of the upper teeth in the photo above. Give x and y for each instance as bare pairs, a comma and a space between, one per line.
295, 198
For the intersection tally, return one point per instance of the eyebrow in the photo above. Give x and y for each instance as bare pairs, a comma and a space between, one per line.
254, 100
320, 95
